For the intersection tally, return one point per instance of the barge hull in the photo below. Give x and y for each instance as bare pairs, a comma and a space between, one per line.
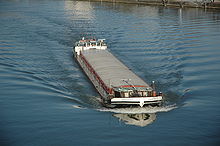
114, 81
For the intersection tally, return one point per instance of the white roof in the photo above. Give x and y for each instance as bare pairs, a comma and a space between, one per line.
111, 70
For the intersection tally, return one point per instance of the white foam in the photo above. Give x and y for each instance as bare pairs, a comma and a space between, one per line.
138, 110
77, 106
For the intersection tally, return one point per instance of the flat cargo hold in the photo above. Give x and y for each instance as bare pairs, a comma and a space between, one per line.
114, 81
113, 72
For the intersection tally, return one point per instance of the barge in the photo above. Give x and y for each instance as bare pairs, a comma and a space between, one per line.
114, 81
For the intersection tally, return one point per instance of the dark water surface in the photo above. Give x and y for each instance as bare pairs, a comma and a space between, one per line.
45, 99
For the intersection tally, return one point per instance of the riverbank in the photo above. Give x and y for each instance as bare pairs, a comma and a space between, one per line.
208, 4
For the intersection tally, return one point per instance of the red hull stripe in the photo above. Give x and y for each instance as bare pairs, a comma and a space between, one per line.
126, 86
108, 90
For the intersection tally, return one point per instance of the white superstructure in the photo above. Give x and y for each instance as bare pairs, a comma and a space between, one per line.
90, 44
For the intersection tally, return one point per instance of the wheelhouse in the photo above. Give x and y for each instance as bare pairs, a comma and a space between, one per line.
90, 43
126, 92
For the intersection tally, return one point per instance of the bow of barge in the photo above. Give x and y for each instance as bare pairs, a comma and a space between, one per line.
114, 81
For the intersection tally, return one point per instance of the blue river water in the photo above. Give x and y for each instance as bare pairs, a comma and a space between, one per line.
45, 98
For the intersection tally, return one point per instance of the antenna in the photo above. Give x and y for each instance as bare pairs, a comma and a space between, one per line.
126, 81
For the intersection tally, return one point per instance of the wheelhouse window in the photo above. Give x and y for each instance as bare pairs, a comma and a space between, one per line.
144, 93
93, 44
126, 94
81, 44
140, 93
117, 94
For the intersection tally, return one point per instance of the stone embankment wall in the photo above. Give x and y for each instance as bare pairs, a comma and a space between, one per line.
177, 3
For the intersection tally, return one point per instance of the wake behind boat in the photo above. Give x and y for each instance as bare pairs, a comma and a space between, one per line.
114, 81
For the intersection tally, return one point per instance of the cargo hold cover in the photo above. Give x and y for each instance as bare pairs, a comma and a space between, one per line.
112, 72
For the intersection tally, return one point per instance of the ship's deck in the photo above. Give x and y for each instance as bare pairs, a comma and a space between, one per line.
112, 72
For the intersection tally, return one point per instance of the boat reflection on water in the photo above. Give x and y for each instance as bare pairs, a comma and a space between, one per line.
138, 116
141, 119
